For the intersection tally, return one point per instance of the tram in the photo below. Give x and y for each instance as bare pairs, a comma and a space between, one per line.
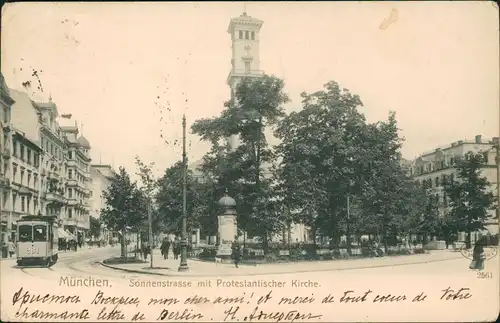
37, 240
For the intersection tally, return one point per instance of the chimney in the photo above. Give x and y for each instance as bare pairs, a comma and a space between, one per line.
478, 139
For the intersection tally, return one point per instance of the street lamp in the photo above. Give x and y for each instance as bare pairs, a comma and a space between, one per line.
184, 266
348, 207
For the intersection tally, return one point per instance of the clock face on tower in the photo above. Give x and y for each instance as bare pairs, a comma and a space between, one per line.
248, 48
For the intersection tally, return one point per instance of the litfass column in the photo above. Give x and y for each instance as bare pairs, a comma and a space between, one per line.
227, 226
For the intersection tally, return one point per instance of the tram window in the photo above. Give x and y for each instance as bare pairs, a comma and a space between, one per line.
25, 232
39, 233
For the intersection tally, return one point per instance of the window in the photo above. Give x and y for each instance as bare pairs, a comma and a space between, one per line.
29, 179
253, 35
14, 144
36, 159
247, 34
5, 114
39, 232
70, 192
29, 156
23, 206
240, 34
22, 177
21, 147
247, 67
14, 172
28, 202
70, 155
25, 233
70, 174
437, 181
70, 213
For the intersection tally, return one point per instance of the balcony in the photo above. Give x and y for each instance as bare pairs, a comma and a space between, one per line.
54, 197
71, 163
70, 222
4, 182
6, 153
243, 73
72, 201
72, 182
6, 127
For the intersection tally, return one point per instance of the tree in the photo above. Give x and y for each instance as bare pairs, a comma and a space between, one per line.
257, 103
124, 205
169, 199
322, 155
148, 188
328, 153
95, 227
470, 195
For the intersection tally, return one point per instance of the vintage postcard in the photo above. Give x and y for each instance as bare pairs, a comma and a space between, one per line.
249, 162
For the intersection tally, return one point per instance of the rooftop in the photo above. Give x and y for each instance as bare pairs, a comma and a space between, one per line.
244, 19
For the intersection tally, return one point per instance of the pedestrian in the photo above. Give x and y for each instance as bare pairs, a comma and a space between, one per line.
236, 253
176, 248
145, 251
165, 246
12, 248
478, 256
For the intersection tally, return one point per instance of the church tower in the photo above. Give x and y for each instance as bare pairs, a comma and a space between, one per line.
244, 31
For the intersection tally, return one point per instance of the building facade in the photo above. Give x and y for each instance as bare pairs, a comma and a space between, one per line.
47, 168
101, 176
435, 168
6, 102
245, 60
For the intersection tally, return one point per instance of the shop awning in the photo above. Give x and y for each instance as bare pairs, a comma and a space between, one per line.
62, 234
70, 236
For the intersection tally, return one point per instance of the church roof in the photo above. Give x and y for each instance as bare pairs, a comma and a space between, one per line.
244, 19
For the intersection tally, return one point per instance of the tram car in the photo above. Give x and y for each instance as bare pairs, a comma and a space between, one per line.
37, 241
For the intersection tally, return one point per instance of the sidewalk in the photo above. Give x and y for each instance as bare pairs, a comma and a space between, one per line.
68, 253
169, 267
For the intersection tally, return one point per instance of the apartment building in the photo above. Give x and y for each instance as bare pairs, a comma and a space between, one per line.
435, 168
50, 168
101, 176
6, 103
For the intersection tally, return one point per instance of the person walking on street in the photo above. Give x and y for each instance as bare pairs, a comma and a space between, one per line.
236, 253
12, 248
165, 246
478, 254
176, 248
146, 251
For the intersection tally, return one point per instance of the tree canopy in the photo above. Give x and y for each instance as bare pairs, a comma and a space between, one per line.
470, 195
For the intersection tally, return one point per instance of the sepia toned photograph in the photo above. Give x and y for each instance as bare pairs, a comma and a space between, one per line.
249, 162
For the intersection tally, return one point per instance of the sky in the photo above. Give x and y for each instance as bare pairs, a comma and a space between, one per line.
127, 72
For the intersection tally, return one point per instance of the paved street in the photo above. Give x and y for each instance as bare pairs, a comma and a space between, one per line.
168, 267
86, 262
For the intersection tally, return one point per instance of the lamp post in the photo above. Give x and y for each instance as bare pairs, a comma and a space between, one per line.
184, 266
150, 229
